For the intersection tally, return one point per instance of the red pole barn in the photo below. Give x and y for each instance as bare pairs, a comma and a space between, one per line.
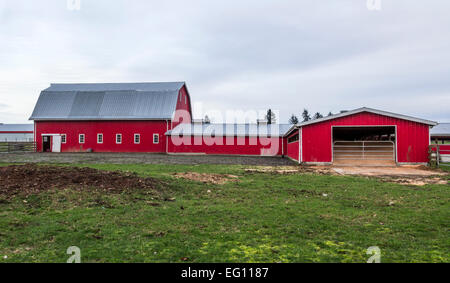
362, 136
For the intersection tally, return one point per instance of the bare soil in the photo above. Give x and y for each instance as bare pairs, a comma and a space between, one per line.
217, 179
410, 175
141, 158
32, 179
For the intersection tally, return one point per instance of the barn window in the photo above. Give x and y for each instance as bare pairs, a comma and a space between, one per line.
63, 138
99, 138
137, 138
293, 139
118, 138
155, 138
81, 138
185, 100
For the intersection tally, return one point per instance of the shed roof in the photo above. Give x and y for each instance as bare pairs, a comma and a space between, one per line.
370, 110
16, 128
108, 101
227, 130
441, 130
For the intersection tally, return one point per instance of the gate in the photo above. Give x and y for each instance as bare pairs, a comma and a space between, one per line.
379, 152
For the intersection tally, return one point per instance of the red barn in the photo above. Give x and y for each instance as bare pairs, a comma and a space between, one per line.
117, 117
361, 136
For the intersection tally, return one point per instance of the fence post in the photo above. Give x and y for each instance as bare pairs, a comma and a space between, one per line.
437, 155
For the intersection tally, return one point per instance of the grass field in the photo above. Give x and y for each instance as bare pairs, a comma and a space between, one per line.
263, 217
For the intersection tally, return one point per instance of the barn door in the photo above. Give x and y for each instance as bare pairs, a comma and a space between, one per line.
364, 152
56, 144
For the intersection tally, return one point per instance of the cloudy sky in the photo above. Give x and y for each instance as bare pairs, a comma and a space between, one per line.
323, 55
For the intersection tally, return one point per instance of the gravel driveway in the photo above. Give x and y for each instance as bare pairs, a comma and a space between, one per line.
140, 158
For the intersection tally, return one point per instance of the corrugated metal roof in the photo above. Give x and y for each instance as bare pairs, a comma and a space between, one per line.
443, 129
156, 86
370, 110
123, 101
252, 130
16, 127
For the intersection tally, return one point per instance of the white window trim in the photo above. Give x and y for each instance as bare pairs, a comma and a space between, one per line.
155, 135
65, 138
98, 135
121, 138
139, 135
79, 138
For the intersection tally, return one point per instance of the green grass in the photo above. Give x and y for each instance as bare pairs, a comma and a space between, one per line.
263, 218
445, 167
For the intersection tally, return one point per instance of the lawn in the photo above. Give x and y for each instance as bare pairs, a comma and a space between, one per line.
262, 217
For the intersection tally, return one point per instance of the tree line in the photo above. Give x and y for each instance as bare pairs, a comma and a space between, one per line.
271, 119
306, 117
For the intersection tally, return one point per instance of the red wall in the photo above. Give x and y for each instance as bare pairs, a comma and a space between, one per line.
412, 138
241, 146
183, 113
109, 129
293, 148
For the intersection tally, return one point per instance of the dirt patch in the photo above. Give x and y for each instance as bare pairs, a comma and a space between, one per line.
286, 170
409, 175
218, 179
33, 179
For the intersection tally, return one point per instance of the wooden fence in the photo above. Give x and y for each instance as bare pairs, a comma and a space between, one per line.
6, 147
439, 154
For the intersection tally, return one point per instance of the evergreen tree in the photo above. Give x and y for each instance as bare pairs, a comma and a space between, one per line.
306, 116
270, 117
293, 120
330, 114
207, 120
318, 115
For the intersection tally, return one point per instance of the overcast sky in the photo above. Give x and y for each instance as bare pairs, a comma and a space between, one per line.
325, 55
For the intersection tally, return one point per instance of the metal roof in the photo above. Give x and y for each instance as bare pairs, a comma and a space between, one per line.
16, 127
370, 110
442, 129
110, 101
248, 130
156, 86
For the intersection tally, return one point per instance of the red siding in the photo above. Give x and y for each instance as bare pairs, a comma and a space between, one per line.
109, 129
183, 113
412, 137
241, 146
293, 148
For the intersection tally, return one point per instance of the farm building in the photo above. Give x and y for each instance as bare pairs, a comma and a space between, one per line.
361, 136
228, 139
16, 132
441, 133
156, 117
118, 117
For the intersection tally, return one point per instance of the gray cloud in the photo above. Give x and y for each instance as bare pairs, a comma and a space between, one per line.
253, 54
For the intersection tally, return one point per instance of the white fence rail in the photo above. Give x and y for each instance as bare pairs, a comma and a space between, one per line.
364, 150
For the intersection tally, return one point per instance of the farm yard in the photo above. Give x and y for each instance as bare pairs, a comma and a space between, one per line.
159, 208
